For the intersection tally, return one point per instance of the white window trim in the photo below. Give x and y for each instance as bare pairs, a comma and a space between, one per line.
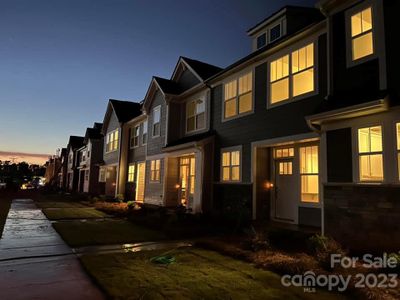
258, 36
187, 132
280, 22
158, 107
132, 137
236, 77
356, 154
150, 180
147, 132
134, 173
349, 46
288, 51
231, 149
110, 132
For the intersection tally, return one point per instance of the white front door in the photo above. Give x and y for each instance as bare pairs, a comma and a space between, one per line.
286, 194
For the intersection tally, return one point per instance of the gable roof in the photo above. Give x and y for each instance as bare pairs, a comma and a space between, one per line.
202, 69
93, 134
125, 110
168, 86
75, 142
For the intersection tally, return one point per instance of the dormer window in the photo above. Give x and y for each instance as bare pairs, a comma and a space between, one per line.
261, 40
275, 33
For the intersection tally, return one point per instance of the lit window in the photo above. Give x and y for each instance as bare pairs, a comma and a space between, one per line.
156, 120
144, 133
195, 115
370, 153
135, 136
131, 173
284, 152
285, 168
309, 174
230, 166
361, 34
238, 96
155, 170
398, 146
112, 141
297, 70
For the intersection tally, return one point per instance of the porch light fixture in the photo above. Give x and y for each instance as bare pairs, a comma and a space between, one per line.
268, 185
177, 186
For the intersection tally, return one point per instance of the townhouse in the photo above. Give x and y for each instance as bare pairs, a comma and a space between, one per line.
62, 174
305, 130
75, 142
90, 158
117, 114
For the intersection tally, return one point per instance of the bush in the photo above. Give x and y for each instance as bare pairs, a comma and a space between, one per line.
119, 199
323, 247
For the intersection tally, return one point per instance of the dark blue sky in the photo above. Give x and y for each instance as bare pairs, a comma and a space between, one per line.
61, 60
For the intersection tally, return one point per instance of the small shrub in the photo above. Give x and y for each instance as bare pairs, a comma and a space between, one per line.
323, 247
119, 198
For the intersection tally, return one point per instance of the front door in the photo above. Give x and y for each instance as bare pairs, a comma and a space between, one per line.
140, 181
187, 166
286, 188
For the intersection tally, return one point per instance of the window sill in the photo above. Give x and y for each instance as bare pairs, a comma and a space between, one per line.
292, 99
237, 116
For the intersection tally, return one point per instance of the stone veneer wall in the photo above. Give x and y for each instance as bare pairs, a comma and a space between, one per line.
363, 218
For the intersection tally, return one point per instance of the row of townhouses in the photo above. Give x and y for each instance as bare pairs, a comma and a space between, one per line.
304, 130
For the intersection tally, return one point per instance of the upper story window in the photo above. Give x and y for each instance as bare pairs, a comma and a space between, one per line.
238, 97
292, 75
370, 153
135, 136
112, 140
144, 133
275, 33
156, 120
261, 40
231, 164
195, 115
362, 44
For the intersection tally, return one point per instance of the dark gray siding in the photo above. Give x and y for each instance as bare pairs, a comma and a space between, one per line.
339, 155
176, 122
187, 80
112, 157
155, 144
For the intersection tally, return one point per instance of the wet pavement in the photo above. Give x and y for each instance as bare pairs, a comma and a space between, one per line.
35, 263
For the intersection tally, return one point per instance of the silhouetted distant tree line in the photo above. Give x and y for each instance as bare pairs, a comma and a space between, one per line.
14, 174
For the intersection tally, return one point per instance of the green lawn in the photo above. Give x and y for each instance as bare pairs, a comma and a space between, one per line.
196, 274
5, 203
78, 233
72, 213
59, 204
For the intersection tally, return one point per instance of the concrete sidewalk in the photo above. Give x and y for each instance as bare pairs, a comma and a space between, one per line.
35, 263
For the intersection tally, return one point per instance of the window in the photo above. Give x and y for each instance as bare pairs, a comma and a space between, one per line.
156, 120
295, 70
275, 33
261, 40
135, 136
195, 115
370, 152
285, 168
112, 141
398, 147
238, 96
102, 175
131, 173
284, 152
309, 174
144, 133
87, 175
155, 170
361, 34
231, 166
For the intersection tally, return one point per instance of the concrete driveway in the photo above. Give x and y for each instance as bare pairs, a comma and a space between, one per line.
35, 263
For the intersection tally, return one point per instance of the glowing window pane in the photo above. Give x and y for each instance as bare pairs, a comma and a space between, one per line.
131, 173
356, 27
225, 173
280, 90
366, 20
230, 108
226, 159
235, 174
363, 46
245, 83
303, 82
235, 158
309, 188
398, 135
371, 167
245, 103
230, 90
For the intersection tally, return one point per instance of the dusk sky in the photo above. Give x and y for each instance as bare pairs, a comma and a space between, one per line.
61, 60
